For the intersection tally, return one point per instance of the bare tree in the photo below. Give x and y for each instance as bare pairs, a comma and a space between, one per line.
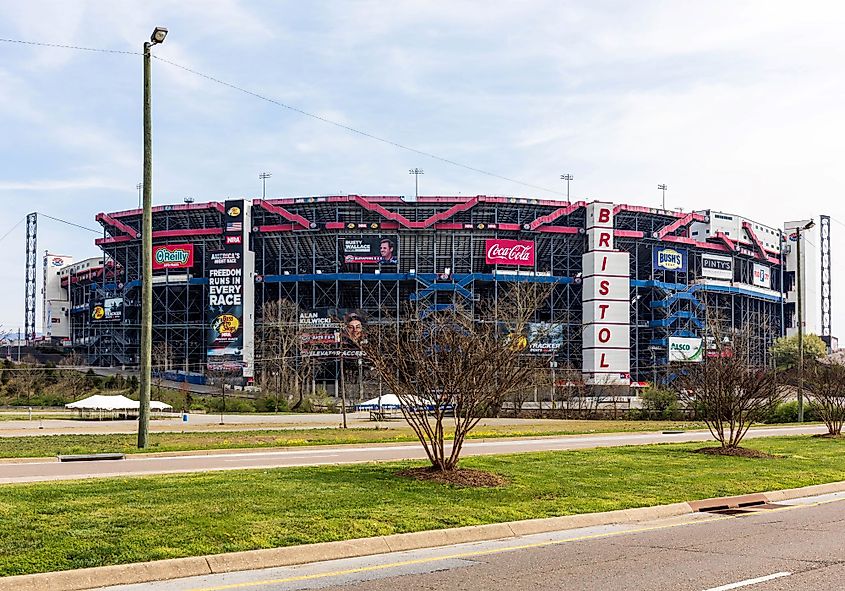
27, 376
162, 357
72, 377
728, 388
451, 365
283, 371
220, 376
826, 383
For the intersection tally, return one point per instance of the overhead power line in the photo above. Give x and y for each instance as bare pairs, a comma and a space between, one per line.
76, 47
70, 223
12, 229
303, 112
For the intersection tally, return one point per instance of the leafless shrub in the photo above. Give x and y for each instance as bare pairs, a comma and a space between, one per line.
451, 365
826, 383
726, 388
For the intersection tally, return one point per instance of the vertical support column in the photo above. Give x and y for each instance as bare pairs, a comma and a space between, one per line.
824, 235
30, 287
606, 300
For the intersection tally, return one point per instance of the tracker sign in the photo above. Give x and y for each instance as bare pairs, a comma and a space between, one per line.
501, 251
173, 256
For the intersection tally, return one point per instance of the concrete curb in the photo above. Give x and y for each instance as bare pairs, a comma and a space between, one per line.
106, 576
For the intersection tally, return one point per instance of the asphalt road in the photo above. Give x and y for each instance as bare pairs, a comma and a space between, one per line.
796, 546
51, 469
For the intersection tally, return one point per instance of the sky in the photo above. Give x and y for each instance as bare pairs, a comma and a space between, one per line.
735, 105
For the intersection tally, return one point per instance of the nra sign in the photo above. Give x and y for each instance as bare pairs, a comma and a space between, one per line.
173, 256
501, 251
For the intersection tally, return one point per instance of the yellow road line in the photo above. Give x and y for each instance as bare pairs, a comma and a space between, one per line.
476, 553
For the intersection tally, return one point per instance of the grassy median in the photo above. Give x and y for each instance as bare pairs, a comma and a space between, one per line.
68, 525
51, 445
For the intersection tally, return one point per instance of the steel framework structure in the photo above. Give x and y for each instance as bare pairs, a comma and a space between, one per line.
298, 245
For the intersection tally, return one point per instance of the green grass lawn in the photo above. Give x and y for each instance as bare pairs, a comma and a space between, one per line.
51, 445
68, 525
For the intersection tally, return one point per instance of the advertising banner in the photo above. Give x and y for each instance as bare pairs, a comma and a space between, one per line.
669, 259
501, 251
225, 270
371, 250
225, 307
762, 276
544, 338
686, 349
108, 310
717, 267
173, 256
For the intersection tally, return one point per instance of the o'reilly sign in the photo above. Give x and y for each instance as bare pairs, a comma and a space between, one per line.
685, 349
717, 267
173, 256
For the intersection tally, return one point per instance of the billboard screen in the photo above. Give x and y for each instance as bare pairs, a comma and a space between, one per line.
717, 267
684, 349
225, 271
669, 259
173, 256
544, 338
225, 307
500, 251
371, 250
762, 276
108, 310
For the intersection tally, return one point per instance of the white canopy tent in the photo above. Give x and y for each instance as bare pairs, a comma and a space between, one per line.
114, 404
383, 402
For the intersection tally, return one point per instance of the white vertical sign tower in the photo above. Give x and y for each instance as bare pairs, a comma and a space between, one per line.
606, 298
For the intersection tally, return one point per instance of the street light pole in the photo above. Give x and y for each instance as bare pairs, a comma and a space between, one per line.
800, 287
416, 172
663, 188
567, 177
264, 176
145, 360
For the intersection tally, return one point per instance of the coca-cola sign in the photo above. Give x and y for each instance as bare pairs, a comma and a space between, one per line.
509, 252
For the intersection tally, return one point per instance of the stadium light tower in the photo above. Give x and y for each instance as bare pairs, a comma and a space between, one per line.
145, 362
567, 177
416, 172
264, 176
663, 187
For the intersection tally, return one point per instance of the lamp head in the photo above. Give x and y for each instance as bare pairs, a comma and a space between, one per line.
159, 33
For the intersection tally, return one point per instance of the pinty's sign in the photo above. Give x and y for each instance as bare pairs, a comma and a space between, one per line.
509, 252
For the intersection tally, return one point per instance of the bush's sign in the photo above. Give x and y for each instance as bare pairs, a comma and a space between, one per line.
685, 349
717, 267
669, 259
501, 251
173, 256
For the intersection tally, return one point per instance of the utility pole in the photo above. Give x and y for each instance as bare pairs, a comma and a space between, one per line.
145, 361
416, 172
663, 187
264, 176
800, 286
567, 177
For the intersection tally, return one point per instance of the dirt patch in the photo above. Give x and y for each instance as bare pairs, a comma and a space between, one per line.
830, 436
460, 477
737, 452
